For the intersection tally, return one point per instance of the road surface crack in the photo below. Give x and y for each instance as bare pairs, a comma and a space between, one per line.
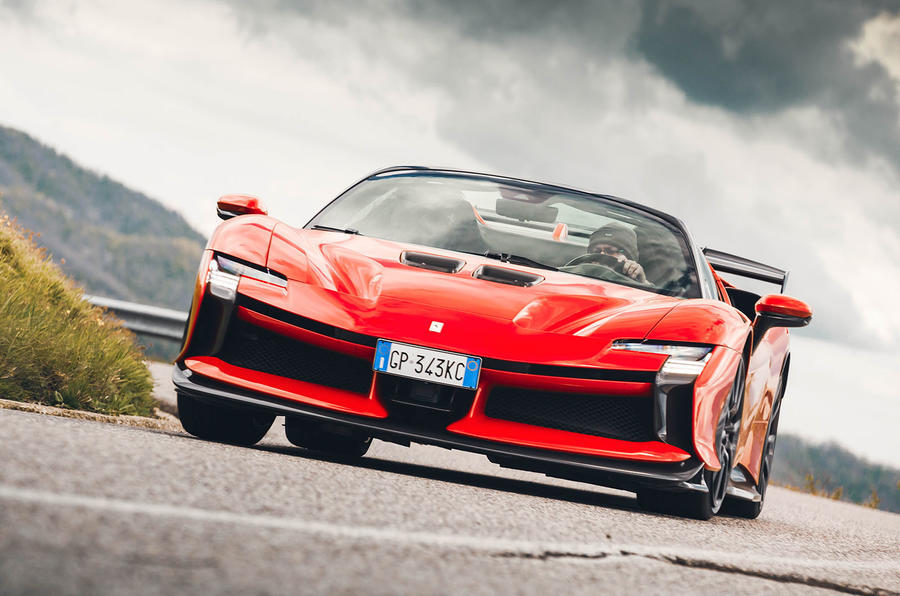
786, 578
549, 554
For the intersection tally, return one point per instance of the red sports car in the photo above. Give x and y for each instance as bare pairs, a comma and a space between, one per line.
555, 330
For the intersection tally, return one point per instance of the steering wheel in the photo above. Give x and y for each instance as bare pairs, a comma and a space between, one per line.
598, 266
598, 258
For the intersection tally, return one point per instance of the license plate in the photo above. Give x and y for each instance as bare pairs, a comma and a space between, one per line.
436, 366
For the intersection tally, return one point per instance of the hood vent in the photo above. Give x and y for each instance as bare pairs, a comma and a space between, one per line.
507, 276
431, 262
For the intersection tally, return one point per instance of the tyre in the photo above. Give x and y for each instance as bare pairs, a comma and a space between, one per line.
750, 509
223, 424
331, 440
658, 501
704, 505
682, 504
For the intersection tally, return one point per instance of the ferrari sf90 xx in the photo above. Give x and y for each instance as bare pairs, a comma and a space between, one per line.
574, 334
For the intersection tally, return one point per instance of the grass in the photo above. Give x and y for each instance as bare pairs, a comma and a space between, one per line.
55, 348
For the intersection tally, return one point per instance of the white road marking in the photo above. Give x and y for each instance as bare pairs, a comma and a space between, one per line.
476, 543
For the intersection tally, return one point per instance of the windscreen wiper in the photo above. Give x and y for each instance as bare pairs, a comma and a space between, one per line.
505, 257
353, 231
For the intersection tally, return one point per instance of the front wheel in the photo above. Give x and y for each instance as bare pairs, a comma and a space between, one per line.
683, 504
704, 505
751, 509
222, 424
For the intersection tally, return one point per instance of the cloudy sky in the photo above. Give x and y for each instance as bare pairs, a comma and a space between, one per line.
771, 128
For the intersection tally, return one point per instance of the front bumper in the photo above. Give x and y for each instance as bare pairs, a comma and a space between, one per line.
616, 473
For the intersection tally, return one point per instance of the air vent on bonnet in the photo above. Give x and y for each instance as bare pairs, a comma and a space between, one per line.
507, 276
431, 262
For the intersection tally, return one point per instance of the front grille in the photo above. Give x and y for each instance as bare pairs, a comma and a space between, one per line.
249, 346
615, 417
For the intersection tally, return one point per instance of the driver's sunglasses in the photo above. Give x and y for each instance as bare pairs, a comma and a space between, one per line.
606, 250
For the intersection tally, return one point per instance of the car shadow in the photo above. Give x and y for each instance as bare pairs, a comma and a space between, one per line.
498, 483
585, 496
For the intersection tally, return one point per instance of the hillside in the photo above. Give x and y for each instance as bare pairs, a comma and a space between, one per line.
114, 241
829, 469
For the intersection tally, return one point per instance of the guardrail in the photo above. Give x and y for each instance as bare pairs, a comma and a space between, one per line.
145, 319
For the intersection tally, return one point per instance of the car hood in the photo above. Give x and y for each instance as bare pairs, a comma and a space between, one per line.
360, 283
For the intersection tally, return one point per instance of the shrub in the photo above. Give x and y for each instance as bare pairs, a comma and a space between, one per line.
55, 348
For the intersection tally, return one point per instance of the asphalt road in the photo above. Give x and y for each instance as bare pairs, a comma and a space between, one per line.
87, 507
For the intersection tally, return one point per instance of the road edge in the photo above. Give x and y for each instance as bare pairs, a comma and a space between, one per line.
163, 420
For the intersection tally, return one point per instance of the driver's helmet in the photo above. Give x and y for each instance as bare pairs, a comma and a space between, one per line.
618, 235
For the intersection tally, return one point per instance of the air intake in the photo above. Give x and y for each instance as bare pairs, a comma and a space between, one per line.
503, 275
613, 416
431, 262
249, 346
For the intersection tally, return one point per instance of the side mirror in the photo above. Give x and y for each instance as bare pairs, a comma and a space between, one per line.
230, 206
775, 310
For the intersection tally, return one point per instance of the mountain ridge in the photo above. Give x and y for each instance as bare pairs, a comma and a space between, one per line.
113, 240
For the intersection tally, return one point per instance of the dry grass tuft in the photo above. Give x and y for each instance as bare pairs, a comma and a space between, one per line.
55, 348
815, 486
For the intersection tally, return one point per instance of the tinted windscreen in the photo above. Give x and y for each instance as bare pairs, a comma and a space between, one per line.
576, 233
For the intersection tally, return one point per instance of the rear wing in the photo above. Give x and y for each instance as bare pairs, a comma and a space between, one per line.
728, 263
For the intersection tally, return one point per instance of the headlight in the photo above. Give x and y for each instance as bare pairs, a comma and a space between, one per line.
683, 366
682, 352
225, 273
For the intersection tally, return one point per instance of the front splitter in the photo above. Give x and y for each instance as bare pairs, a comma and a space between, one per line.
623, 474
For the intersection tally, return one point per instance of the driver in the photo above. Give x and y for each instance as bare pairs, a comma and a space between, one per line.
618, 241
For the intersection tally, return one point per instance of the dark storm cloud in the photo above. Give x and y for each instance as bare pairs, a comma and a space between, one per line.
761, 57
752, 56
744, 56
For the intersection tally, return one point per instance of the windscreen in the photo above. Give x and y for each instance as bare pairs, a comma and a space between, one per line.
528, 224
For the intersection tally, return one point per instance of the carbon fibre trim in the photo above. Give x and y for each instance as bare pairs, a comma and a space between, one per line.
572, 372
729, 263
624, 474
546, 370
305, 323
